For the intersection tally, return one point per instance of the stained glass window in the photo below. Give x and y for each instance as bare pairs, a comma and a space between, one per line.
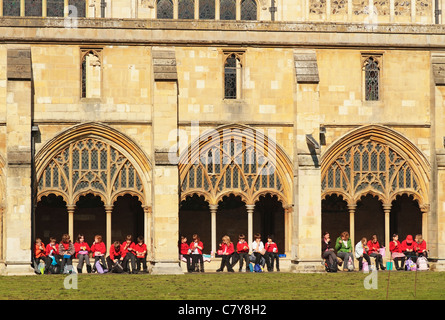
186, 9
232, 77
164, 9
248, 10
33, 8
54, 8
206, 9
227, 9
372, 72
80, 6
11, 8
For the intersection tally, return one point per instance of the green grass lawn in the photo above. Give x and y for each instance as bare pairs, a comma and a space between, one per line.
219, 286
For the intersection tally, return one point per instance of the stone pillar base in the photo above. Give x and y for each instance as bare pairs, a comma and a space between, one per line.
166, 267
307, 266
16, 270
437, 266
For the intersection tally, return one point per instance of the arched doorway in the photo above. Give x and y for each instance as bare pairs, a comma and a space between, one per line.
406, 217
334, 215
51, 218
89, 218
369, 167
241, 161
268, 219
194, 217
231, 218
96, 159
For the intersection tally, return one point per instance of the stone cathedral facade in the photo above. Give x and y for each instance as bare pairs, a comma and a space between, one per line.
162, 118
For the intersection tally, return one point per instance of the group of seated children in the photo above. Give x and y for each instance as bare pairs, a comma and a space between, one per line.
364, 249
58, 257
192, 253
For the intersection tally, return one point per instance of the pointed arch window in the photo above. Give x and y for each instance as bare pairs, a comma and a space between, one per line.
371, 69
164, 9
232, 75
227, 9
91, 73
249, 10
207, 9
186, 9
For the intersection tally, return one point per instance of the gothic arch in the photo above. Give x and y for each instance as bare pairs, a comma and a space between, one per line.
235, 159
375, 160
93, 158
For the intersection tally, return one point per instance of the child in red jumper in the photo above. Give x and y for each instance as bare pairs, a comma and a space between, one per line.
271, 254
226, 248
128, 254
196, 252
40, 254
242, 248
409, 248
99, 250
115, 254
82, 253
421, 246
184, 251
140, 250
373, 251
67, 251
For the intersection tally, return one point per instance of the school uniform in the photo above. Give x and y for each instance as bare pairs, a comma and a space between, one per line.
242, 249
397, 255
184, 250
361, 252
257, 249
115, 253
271, 255
101, 249
82, 251
67, 252
40, 255
227, 250
421, 249
373, 251
196, 254
141, 256
409, 248
128, 254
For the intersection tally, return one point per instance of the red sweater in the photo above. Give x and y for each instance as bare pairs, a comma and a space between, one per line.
192, 247
242, 247
140, 250
227, 249
127, 247
420, 247
373, 247
49, 248
100, 247
40, 252
114, 252
270, 246
395, 247
184, 248
405, 246
81, 247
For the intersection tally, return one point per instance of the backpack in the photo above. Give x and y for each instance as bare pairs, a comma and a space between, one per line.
257, 268
410, 265
99, 267
68, 269
330, 267
422, 264
117, 268
250, 267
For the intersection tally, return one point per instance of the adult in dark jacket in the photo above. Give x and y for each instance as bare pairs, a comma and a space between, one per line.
327, 251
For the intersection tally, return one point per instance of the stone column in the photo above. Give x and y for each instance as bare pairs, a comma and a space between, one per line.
213, 210
387, 211
166, 175
306, 222
250, 208
351, 208
287, 228
18, 210
148, 231
71, 209
108, 211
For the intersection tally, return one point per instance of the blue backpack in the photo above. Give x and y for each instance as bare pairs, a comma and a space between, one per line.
257, 268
